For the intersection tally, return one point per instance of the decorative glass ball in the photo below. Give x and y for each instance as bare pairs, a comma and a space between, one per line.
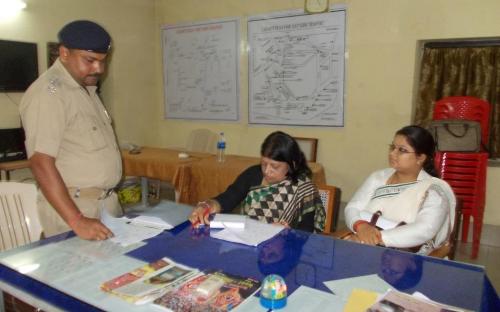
273, 292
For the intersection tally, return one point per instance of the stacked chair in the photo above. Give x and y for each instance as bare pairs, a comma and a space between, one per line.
466, 171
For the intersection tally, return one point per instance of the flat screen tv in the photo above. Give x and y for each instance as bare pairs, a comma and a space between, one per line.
12, 144
18, 65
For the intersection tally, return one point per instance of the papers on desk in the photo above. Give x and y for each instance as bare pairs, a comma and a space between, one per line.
163, 216
125, 233
228, 221
361, 287
254, 233
361, 300
302, 299
343, 287
365, 292
57, 261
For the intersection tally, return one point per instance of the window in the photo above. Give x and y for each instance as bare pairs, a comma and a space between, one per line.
459, 68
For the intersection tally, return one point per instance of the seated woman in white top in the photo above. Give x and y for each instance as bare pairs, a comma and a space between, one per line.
407, 194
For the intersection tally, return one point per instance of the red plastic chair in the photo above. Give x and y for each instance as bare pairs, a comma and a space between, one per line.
466, 172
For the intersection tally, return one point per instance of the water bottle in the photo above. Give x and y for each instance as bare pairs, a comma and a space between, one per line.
221, 148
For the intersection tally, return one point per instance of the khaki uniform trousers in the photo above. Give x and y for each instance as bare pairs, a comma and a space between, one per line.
89, 202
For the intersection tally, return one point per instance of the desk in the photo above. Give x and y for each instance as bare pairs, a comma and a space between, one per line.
310, 259
8, 166
163, 164
198, 177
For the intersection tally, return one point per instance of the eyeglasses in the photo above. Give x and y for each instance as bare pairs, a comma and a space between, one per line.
399, 149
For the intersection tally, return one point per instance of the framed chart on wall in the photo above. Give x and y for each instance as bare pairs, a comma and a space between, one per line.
296, 69
201, 70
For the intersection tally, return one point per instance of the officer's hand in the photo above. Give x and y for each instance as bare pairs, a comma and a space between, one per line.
91, 229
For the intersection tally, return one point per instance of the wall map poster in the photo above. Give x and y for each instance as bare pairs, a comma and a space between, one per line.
201, 70
296, 69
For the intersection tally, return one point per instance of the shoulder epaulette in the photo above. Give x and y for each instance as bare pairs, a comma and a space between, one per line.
53, 85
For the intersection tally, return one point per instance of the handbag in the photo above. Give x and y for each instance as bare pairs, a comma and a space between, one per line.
456, 135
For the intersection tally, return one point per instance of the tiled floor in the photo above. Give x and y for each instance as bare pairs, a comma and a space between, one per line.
489, 254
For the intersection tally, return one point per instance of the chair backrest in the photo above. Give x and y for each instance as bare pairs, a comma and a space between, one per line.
19, 223
309, 146
456, 228
448, 249
330, 196
202, 140
465, 107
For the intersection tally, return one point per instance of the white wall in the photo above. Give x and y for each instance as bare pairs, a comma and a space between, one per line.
382, 38
129, 88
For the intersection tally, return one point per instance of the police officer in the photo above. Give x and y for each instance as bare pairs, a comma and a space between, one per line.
69, 137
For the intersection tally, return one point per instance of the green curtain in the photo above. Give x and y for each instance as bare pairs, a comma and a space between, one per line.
461, 71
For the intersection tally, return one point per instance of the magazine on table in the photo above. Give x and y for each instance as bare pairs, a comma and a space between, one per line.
209, 291
150, 281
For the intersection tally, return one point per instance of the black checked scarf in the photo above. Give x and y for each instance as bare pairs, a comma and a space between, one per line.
285, 201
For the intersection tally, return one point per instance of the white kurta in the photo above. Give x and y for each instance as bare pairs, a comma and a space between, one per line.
428, 216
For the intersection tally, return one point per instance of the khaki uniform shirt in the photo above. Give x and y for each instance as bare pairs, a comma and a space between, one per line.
64, 120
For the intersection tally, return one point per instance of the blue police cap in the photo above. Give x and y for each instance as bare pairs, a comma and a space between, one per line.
85, 35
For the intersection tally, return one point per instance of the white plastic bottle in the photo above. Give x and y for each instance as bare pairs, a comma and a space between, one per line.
221, 148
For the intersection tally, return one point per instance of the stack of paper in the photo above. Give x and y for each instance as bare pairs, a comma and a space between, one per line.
165, 215
254, 233
126, 234
230, 221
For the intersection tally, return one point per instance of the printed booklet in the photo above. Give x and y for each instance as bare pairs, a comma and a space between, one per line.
148, 282
212, 291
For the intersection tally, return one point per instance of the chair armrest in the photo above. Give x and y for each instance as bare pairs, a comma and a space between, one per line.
341, 234
442, 251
